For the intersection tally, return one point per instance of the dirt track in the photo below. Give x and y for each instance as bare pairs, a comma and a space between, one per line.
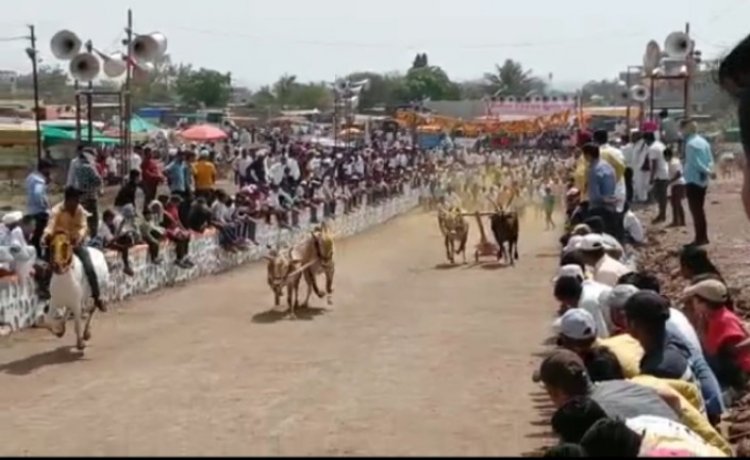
414, 359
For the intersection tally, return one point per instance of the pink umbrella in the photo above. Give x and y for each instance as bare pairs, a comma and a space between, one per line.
203, 133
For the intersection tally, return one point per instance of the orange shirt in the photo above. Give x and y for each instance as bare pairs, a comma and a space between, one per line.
205, 175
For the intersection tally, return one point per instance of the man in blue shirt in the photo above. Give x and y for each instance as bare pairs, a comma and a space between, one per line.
37, 202
699, 164
602, 184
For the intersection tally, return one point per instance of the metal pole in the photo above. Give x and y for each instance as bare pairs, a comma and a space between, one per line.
76, 87
90, 102
651, 99
35, 75
627, 108
128, 77
686, 90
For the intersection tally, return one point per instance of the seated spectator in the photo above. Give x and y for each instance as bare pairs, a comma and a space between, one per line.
221, 219
606, 269
645, 436
574, 292
725, 337
16, 255
152, 233
611, 245
199, 216
170, 220
633, 227
694, 261
564, 376
647, 314
680, 330
127, 193
117, 232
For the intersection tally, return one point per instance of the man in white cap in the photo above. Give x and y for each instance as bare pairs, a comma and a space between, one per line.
15, 254
572, 291
606, 269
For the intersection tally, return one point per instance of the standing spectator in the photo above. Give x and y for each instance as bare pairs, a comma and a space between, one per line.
205, 176
676, 189
84, 178
601, 185
37, 201
151, 176
134, 159
698, 167
659, 177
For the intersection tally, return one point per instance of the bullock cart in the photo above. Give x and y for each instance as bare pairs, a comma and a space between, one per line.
485, 248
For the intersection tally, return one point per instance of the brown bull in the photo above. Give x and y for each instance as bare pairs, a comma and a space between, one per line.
504, 226
455, 229
315, 255
284, 272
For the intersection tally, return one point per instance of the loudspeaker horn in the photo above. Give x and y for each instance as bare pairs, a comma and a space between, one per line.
149, 48
141, 71
678, 45
114, 65
651, 57
639, 93
65, 45
85, 67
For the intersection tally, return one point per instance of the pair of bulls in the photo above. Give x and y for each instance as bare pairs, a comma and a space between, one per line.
286, 268
455, 229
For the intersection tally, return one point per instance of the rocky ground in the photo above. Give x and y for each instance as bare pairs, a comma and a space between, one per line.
729, 231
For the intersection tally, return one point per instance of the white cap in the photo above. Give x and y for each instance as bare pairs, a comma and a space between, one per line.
576, 324
616, 298
574, 242
12, 217
571, 270
592, 242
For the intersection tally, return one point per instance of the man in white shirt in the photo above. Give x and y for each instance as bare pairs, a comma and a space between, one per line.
659, 174
574, 292
641, 171
634, 233
606, 269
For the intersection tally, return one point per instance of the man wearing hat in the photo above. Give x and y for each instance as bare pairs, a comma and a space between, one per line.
725, 339
606, 269
572, 291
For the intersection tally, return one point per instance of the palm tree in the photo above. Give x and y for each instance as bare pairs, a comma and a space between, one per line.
283, 88
511, 79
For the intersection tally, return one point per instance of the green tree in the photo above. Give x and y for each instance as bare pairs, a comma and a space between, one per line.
203, 87
384, 89
420, 60
53, 84
473, 89
159, 85
428, 82
311, 96
284, 88
511, 79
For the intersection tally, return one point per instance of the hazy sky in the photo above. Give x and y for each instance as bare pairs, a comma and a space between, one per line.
258, 40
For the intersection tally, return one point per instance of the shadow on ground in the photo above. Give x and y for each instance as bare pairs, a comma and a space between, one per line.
26, 366
274, 316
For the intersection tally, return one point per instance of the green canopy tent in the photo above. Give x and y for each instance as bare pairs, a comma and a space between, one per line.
139, 125
53, 136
